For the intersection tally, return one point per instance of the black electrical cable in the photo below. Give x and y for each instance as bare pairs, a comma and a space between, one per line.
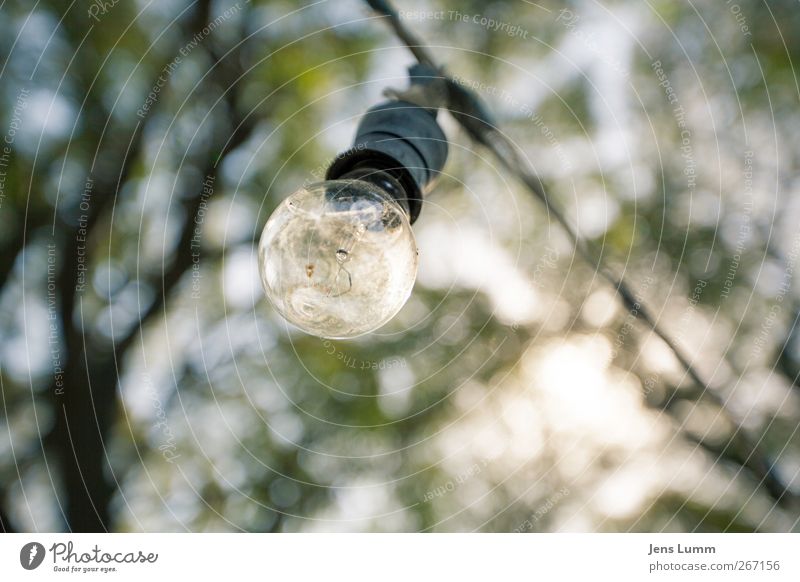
471, 113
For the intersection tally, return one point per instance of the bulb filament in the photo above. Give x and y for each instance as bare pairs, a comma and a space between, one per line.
342, 256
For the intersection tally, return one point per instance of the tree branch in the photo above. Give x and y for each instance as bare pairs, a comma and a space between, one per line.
86, 410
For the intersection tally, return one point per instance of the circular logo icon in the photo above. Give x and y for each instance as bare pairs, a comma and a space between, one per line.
31, 555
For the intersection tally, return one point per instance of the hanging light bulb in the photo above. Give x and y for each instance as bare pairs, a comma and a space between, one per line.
338, 259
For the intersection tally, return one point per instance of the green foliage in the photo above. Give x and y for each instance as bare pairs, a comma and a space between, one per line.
502, 397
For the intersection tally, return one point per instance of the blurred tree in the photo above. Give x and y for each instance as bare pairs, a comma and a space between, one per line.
146, 386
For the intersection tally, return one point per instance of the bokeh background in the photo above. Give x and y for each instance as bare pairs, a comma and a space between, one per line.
147, 385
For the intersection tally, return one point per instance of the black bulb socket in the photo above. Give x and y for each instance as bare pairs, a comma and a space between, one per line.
400, 147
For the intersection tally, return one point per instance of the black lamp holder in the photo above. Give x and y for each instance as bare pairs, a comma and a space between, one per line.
398, 145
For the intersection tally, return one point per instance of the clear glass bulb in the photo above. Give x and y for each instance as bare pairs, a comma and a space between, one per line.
338, 259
